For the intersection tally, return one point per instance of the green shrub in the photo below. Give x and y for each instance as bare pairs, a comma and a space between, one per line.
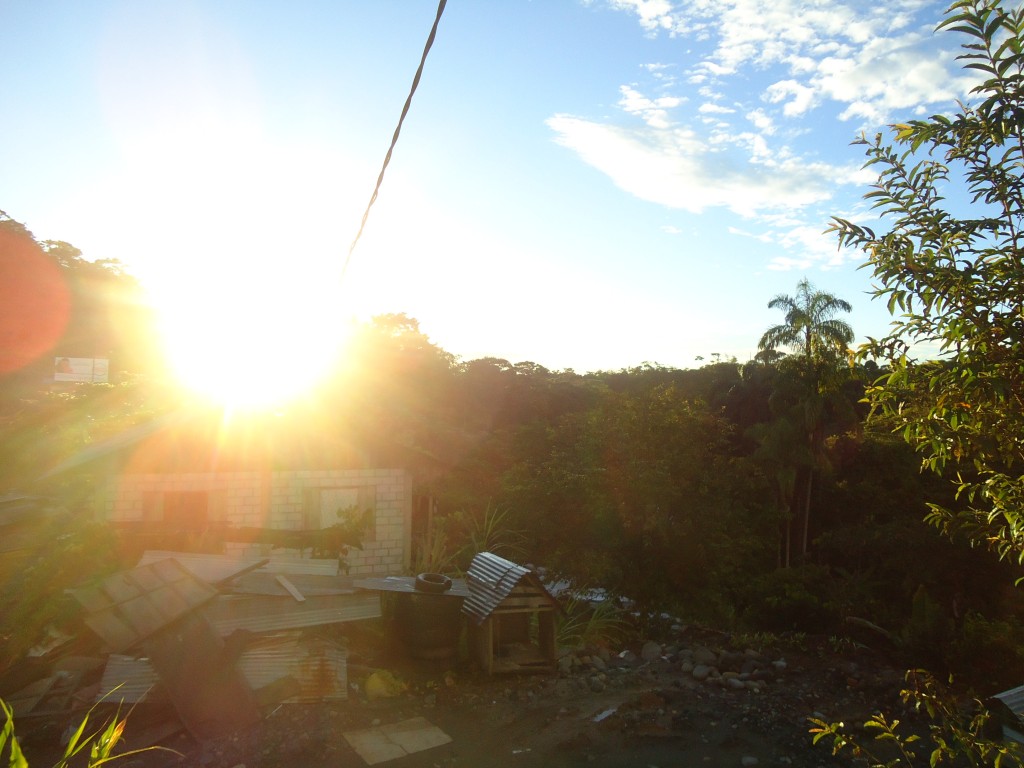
957, 737
790, 599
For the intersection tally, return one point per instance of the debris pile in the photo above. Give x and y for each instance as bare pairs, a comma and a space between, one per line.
212, 640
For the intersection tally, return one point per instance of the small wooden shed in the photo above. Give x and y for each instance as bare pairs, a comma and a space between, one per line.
504, 598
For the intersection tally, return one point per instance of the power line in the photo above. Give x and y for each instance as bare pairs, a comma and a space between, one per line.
394, 139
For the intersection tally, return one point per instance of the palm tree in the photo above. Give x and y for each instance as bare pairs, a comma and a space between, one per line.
818, 342
811, 328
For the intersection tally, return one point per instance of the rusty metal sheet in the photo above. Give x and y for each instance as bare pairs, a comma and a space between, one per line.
125, 608
318, 666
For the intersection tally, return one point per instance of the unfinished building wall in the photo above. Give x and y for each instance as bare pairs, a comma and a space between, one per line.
285, 500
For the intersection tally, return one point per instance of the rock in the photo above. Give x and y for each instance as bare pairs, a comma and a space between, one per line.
650, 651
731, 661
779, 665
565, 665
748, 760
686, 666
701, 672
598, 663
704, 655
734, 683
596, 684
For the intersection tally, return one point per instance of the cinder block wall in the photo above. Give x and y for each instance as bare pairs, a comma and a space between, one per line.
235, 497
245, 499
387, 546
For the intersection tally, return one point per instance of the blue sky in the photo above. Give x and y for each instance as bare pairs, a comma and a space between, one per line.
586, 184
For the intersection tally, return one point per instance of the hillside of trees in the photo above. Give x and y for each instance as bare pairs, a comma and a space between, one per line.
756, 497
869, 496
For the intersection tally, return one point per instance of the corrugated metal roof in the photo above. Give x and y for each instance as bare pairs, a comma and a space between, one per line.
127, 679
259, 613
1013, 699
490, 580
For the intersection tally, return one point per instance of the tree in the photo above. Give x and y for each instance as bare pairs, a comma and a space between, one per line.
810, 329
957, 281
806, 398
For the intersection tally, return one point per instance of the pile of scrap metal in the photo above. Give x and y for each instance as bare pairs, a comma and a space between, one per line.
212, 639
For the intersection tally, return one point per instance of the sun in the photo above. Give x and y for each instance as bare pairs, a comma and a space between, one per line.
251, 338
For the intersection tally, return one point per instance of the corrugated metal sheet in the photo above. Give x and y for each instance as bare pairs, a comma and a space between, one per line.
127, 679
215, 568
288, 564
490, 580
319, 666
263, 583
273, 614
1013, 700
209, 568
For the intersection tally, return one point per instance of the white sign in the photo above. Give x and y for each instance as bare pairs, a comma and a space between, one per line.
90, 370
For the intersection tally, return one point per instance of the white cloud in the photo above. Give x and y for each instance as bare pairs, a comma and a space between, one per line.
654, 112
762, 121
798, 98
679, 169
718, 109
870, 58
768, 77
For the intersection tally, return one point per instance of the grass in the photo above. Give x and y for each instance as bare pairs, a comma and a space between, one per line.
97, 747
590, 625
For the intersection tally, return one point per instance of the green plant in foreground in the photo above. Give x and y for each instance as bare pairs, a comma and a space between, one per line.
99, 745
956, 738
586, 625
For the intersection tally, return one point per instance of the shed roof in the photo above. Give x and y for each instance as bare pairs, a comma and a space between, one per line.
491, 579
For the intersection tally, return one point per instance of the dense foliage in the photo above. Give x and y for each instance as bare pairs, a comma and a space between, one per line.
954, 277
755, 496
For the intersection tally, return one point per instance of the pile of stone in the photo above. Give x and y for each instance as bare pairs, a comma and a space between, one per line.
749, 670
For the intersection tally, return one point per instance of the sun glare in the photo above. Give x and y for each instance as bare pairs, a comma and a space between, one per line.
249, 341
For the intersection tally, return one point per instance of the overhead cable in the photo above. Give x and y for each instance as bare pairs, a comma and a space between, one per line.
394, 139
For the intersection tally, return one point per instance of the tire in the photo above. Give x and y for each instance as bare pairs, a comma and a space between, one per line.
433, 583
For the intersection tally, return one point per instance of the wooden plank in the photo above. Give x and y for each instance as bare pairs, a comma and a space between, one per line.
291, 588
534, 603
529, 609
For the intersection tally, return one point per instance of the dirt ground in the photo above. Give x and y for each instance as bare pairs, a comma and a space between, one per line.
627, 711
